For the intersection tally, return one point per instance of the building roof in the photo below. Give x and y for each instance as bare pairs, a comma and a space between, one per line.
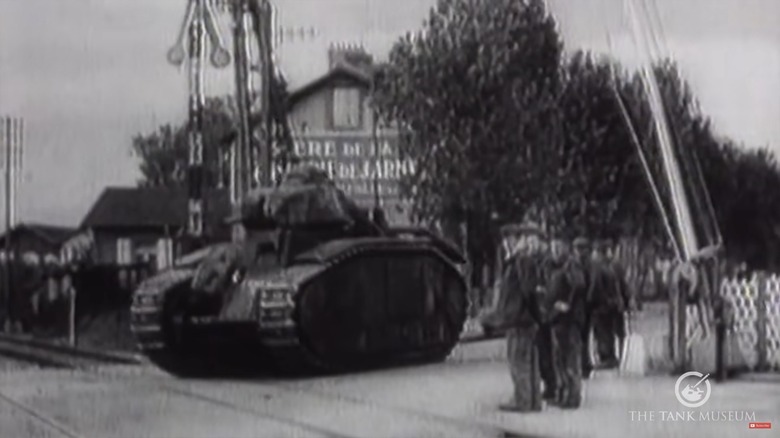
55, 235
340, 71
127, 207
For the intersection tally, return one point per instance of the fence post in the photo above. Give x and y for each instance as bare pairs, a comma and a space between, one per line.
682, 331
761, 310
72, 315
678, 322
674, 324
721, 324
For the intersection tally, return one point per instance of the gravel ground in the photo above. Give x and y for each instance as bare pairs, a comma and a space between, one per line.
458, 398
8, 365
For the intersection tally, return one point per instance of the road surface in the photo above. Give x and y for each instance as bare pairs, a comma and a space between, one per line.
457, 398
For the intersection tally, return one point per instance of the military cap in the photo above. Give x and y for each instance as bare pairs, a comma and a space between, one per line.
581, 242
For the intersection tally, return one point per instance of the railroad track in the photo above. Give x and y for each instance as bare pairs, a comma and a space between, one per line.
49, 355
269, 401
40, 419
265, 399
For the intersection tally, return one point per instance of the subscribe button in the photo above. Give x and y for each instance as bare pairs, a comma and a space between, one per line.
760, 425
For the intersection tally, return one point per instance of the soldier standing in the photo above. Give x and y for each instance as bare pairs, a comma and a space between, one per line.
610, 301
557, 258
581, 258
521, 314
568, 295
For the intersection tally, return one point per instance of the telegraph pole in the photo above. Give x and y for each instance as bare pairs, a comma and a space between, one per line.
8, 124
265, 41
242, 148
199, 23
260, 158
195, 137
12, 140
251, 164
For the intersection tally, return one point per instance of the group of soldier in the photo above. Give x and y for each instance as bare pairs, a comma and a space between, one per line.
553, 293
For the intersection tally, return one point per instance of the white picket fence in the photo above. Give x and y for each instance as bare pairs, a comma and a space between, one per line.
755, 305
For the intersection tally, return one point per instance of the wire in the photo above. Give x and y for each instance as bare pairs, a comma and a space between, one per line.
645, 165
653, 14
658, 25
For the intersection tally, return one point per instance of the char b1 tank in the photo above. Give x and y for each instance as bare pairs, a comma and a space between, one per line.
313, 285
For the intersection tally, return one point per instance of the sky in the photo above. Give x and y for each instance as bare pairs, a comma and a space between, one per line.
88, 75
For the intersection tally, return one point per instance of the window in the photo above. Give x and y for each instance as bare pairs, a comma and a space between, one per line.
164, 256
124, 251
346, 108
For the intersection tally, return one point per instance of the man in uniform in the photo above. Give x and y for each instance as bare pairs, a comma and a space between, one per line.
521, 314
557, 258
581, 258
567, 316
610, 300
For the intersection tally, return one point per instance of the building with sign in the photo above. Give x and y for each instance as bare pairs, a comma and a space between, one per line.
334, 129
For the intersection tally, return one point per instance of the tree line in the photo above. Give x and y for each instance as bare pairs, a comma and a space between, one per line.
504, 124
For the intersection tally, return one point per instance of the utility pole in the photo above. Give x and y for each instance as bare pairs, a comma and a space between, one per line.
12, 141
242, 148
259, 164
266, 41
8, 123
251, 164
252, 157
199, 22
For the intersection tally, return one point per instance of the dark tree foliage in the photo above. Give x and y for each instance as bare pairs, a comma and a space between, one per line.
164, 154
502, 126
477, 90
595, 166
749, 206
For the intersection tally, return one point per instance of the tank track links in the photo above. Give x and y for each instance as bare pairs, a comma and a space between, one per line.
151, 323
295, 358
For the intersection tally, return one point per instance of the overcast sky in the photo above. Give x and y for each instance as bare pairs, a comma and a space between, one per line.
88, 74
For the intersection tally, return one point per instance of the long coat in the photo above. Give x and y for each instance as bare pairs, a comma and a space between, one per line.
519, 303
609, 289
569, 285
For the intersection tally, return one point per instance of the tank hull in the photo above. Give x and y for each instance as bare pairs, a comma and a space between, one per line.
347, 306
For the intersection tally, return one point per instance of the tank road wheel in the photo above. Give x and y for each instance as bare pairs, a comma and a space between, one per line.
157, 322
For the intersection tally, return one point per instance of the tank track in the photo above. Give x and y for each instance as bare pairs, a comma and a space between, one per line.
147, 311
150, 327
295, 357
292, 359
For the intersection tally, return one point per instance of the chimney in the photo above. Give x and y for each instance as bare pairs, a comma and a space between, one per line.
353, 55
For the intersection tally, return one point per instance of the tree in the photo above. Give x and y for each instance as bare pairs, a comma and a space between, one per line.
741, 184
476, 90
705, 166
592, 164
164, 154
749, 206
499, 125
